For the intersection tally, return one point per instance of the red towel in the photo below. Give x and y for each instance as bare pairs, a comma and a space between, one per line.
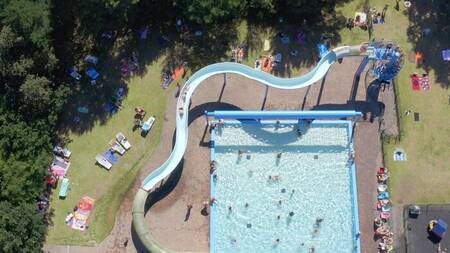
415, 82
178, 73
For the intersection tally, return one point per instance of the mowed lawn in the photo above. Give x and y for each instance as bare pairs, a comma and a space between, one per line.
424, 177
108, 187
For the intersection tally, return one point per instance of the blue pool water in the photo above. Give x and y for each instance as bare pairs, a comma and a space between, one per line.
315, 182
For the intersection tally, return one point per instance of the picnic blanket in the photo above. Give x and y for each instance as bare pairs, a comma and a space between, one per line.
59, 167
83, 211
446, 55
415, 82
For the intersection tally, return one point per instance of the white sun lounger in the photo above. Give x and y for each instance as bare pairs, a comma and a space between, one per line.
148, 124
123, 141
103, 162
117, 147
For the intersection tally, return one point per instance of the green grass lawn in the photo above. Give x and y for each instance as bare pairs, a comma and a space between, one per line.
108, 187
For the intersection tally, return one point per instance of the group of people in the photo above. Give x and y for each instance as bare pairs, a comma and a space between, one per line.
382, 228
237, 54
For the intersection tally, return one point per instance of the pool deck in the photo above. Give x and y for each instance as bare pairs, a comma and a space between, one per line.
166, 217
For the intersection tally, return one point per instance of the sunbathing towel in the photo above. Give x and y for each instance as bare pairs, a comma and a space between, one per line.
80, 217
446, 55
266, 46
178, 73
424, 82
415, 82
285, 39
111, 157
399, 155
278, 57
166, 81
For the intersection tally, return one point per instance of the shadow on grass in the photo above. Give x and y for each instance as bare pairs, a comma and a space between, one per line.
435, 16
78, 34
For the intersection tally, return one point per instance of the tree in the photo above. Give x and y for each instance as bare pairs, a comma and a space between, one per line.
30, 18
206, 12
21, 228
260, 9
13, 63
36, 93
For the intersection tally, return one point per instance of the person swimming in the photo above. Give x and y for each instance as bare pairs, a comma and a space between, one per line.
275, 177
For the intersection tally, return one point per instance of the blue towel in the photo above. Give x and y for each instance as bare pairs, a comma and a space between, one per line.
111, 157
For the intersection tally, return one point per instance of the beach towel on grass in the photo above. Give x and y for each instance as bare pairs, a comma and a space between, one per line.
178, 73
425, 83
111, 157
415, 82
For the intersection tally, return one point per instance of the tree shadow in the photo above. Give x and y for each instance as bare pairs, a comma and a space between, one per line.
283, 37
435, 16
370, 107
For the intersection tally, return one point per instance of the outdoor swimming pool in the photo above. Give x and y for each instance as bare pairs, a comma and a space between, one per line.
310, 205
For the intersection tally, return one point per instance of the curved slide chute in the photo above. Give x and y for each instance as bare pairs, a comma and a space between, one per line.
188, 89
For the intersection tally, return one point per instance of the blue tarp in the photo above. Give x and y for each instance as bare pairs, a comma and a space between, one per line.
92, 73
440, 228
111, 157
323, 50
